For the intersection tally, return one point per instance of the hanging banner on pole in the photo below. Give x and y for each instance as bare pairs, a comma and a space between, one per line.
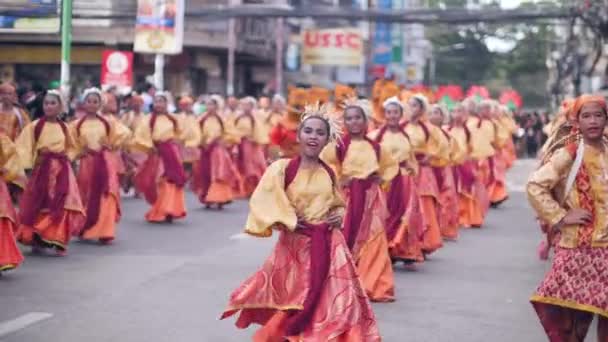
383, 42
337, 46
159, 26
117, 69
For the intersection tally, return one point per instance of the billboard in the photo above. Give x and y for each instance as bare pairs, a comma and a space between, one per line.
159, 26
29, 16
336, 46
117, 69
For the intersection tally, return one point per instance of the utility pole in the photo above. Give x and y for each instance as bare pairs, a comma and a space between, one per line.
231, 52
159, 59
279, 56
66, 45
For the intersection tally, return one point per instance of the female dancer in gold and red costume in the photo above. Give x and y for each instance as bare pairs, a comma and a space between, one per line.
50, 208
361, 165
214, 176
10, 169
428, 146
404, 227
161, 178
251, 160
448, 196
308, 289
468, 185
96, 139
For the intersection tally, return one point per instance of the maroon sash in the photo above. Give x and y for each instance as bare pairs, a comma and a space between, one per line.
396, 204
174, 170
427, 133
100, 184
38, 197
384, 129
204, 163
320, 245
465, 176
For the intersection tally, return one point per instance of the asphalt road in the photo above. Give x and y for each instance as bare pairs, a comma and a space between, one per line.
170, 283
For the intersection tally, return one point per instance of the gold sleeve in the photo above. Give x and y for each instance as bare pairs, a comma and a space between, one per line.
191, 133
10, 161
25, 146
119, 134
269, 206
388, 166
542, 183
330, 157
142, 137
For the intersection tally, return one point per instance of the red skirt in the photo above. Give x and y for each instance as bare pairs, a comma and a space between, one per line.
343, 312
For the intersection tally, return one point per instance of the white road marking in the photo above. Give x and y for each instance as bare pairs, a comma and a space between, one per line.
240, 236
22, 322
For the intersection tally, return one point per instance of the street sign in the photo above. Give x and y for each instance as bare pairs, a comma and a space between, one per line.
159, 26
117, 69
336, 46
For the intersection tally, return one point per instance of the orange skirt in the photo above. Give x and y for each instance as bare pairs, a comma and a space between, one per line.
432, 232
105, 228
469, 210
251, 164
225, 178
406, 244
170, 203
51, 234
10, 255
448, 206
343, 312
370, 250
497, 189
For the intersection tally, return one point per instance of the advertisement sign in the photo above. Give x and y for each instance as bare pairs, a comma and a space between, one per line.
159, 26
383, 42
117, 69
29, 16
338, 46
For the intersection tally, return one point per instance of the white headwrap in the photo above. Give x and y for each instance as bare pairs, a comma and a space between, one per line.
392, 100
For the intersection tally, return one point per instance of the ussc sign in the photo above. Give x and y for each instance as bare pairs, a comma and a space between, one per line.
336, 46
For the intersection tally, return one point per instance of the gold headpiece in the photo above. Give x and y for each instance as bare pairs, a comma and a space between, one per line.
323, 112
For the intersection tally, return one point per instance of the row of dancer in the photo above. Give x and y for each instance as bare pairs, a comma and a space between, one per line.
74, 170
349, 205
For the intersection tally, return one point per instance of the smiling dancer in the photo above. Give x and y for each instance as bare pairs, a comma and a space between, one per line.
307, 290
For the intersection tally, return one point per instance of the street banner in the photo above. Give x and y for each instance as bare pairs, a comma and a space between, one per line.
29, 16
337, 46
383, 42
117, 69
159, 26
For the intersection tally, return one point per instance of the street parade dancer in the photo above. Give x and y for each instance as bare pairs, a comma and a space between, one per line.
51, 208
404, 227
96, 140
214, 175
10, 169
428, 146
361, 166
308, 289
448, 195
162, 177
468, 185
250, 159
568, 193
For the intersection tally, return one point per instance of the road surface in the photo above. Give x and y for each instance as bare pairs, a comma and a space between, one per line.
170, 283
